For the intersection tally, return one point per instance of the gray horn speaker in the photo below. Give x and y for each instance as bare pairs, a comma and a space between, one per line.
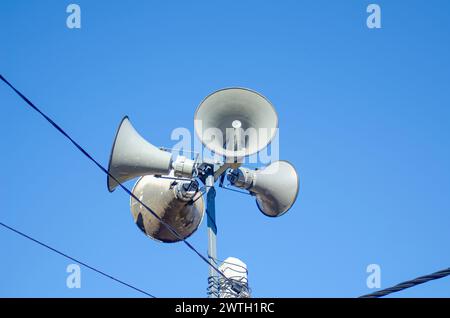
275, 186
132, 156
235, 122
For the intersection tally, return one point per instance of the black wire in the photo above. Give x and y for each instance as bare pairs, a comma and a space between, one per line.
76, 260
82, 150
225, 262
409, 284
381, 293
173, 178
234, 190
202, 192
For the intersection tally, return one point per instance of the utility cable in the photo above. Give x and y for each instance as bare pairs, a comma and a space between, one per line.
76, 260
409, 284
381, 293
82, 150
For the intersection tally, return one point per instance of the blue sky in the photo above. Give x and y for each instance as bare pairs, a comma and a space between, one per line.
364, 116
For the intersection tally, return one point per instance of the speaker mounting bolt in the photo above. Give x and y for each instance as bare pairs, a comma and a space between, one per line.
236, 124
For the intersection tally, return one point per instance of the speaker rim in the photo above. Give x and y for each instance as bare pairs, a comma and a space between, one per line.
111, 154
245, 89
296, 193
161, 241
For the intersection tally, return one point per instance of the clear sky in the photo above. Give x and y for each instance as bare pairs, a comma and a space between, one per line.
364, 116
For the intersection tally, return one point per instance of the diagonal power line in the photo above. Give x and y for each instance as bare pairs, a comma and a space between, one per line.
409, 284
76, 260
85, 153
381, 293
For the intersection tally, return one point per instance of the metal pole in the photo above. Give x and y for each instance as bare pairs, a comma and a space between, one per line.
213, 282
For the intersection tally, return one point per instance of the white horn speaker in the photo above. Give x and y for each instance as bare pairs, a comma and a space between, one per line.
235, 122
177, 203
275, 186
132, 156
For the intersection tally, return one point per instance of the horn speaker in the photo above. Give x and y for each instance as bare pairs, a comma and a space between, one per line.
177, 203
235, 122
275, 186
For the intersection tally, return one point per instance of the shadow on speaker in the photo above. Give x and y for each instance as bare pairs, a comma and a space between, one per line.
173, 202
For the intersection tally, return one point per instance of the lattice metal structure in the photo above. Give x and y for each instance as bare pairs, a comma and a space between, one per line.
234, 282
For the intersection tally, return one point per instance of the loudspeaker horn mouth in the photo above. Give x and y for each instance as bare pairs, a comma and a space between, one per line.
293, 199
236, 108
110, 182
